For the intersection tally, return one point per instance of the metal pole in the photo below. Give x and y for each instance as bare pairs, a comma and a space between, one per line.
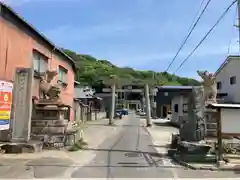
148, 108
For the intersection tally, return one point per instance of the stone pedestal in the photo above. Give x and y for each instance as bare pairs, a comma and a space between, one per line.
211, 122
49, 124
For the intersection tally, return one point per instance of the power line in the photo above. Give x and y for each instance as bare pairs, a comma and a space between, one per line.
192, 27
221, 17
230, 41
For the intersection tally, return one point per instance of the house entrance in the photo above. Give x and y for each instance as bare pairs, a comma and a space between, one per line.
164, 111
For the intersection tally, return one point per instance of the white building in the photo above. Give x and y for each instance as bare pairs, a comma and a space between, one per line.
228, 79
179, 107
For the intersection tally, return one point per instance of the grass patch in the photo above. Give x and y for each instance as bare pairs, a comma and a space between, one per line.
80, 144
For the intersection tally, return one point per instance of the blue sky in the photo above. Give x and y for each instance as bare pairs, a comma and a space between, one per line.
143, 34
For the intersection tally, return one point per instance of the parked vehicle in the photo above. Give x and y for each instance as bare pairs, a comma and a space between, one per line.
125, 111
142, 113
118, 115
121, 112
169, 115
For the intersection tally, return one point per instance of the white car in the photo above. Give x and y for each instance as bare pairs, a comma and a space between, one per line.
169, 115
142, 113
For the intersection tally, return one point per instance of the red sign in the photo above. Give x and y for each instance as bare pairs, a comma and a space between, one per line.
5, 97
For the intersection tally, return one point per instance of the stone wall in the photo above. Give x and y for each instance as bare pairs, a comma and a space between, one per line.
99, 115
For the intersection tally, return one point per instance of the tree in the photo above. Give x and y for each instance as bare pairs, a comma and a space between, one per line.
92, 70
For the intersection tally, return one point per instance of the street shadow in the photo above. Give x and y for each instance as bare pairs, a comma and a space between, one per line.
126, 151
128, 125
99, 124
236, 169
107, 125
166, 124
161, 146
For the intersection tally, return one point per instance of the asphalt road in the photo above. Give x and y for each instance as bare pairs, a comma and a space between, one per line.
131, 154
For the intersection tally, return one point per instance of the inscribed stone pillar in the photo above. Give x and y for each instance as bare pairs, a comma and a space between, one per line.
193, 128
20, 123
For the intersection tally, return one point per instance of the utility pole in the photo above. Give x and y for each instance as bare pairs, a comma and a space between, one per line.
238, 25
111, 118
148, 108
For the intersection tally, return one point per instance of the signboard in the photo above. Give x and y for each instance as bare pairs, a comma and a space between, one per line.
123, 90
5, 103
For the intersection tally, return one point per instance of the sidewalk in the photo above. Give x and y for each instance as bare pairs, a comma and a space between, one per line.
231, 166
161, 133
58, 163
94, 133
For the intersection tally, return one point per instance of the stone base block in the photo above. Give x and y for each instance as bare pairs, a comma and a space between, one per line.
49, 146
49, 138
20, 147
211, 134
190, 148
41, 123
5, 135
49, 102
212, 126
48, 130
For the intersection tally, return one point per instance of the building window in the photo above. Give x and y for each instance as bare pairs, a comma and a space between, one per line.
185, 108
176, 108
62, 74
40, 62
219, 85
233, 80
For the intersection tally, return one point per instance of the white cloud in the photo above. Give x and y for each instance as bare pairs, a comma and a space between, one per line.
144, 59
81, 33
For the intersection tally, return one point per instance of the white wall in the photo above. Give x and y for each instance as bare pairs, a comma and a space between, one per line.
230, 121
230, 69
83, 92
180, 100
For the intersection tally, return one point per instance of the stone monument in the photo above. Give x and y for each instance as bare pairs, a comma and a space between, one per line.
192, 127
193, 131
210, 86
210, 96
47, 90
196, 124
49, 120
20, 123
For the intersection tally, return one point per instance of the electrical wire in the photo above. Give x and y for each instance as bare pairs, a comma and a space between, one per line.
232, 30
191, 28
221, 17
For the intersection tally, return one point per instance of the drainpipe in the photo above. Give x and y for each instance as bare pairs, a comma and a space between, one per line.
52, 57
6, 63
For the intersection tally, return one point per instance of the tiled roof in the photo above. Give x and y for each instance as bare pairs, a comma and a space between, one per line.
175, 87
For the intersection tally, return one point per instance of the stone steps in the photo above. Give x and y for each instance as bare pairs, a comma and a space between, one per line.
49, 138
49, 123
49, 130
52, 108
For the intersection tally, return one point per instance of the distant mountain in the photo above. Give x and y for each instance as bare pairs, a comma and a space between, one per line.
94, 72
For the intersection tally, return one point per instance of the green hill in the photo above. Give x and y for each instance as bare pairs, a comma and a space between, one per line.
93, 71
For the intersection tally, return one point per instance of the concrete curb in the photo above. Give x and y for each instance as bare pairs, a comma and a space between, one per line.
190, 166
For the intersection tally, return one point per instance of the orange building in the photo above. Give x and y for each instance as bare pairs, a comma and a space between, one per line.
21, 45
